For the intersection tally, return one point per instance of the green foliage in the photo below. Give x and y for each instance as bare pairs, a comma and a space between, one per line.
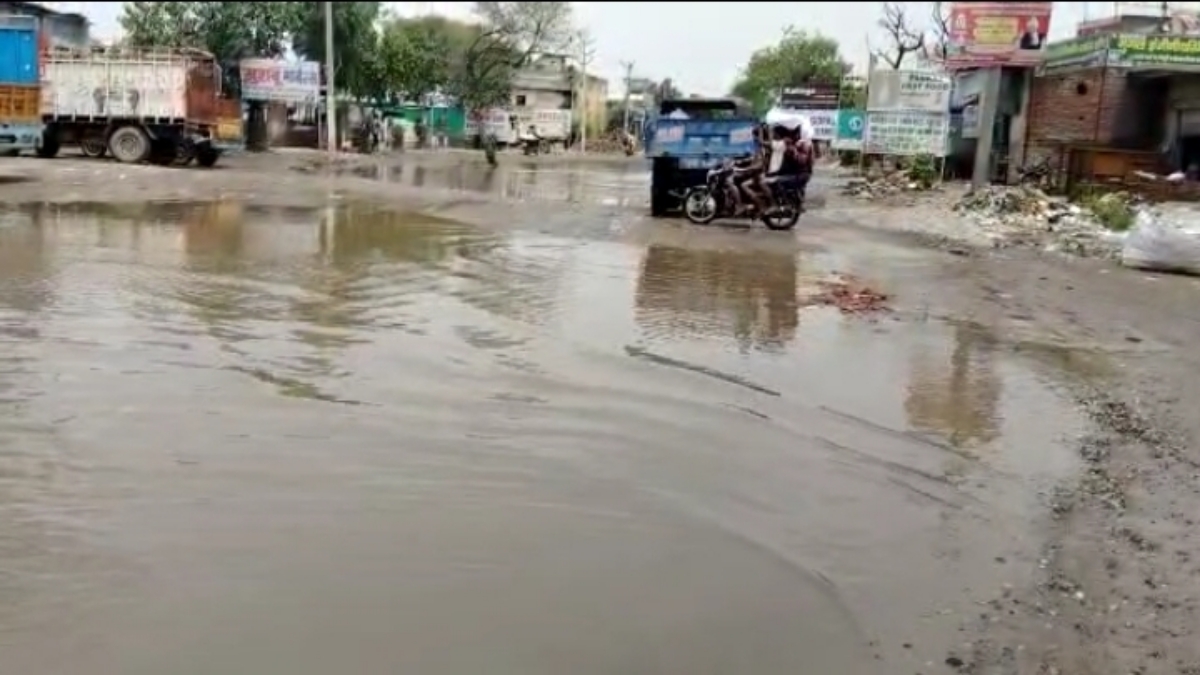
798, 59
355, 40
923, 170
852, 96
376, 56
1113, 210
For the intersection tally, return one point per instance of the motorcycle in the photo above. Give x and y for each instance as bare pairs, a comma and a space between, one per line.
534, 145
703, 204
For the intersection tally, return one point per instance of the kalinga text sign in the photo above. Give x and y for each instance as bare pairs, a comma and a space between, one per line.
811, 97
997, 33
276, 80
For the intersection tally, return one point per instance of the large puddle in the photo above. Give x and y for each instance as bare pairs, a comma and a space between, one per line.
523, 181
282, 441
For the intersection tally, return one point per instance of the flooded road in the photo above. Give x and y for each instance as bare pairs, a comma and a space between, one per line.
236, 439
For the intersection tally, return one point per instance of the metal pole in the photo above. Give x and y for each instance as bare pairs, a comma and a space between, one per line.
585, 57
628, 65
330, 106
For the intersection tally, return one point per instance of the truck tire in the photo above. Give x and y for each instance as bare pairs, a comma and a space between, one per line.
129, 145
93, 146
50, 144
206, 156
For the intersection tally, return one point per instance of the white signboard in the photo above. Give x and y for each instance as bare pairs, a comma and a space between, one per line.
824, 123
907, 133
279, 80
909, 90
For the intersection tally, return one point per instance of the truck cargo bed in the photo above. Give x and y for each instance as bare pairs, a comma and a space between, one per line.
167, 86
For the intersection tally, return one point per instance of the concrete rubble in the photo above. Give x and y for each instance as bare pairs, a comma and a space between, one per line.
1026, 216
892, 183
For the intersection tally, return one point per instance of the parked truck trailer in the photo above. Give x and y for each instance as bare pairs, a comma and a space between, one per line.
20, 90
164, 107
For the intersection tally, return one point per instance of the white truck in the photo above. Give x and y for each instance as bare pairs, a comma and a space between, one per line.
552, 125
161, 106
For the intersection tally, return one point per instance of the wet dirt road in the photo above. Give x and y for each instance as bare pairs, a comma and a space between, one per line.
282, 440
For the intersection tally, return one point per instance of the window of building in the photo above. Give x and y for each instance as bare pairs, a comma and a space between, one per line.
521, 99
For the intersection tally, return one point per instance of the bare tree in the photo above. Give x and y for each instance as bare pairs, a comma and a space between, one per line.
939, 33
903, 37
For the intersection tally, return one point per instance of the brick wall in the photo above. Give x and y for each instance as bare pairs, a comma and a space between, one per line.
1081, 106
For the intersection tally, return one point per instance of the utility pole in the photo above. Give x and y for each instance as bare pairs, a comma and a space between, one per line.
586, 52
628, 66
330, 107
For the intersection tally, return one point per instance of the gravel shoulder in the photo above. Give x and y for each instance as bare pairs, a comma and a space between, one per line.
1120, 575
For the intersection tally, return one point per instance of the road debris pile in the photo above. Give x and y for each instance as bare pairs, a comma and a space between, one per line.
884, 185
849, 294
1026, 216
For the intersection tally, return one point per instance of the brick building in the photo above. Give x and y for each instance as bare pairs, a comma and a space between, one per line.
1126, 90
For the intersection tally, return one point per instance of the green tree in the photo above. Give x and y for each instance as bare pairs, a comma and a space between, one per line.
416, 55
357, 69
799, 59
510, 35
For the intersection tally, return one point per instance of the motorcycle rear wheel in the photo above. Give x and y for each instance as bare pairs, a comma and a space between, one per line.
785, 216
700, 206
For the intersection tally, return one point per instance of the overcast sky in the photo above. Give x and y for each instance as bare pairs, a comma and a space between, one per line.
700, 45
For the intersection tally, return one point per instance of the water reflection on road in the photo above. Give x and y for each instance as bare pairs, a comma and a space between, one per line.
521, 181
236, 439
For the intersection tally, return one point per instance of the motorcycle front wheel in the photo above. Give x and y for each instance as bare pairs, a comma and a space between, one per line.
700, 206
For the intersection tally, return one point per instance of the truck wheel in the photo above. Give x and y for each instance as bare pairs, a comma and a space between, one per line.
93, 146
129, 145
206, 156
185, 152
50, 144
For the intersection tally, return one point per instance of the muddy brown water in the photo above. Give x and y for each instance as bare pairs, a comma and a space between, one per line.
236, 439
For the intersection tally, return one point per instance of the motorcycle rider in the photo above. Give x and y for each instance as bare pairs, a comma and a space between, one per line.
748, 173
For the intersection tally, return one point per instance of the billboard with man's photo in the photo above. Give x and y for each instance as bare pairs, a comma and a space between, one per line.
997, 33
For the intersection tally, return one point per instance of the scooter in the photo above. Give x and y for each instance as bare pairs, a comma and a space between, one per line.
705, 203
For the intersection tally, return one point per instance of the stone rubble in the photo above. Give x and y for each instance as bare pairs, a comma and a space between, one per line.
1027, 217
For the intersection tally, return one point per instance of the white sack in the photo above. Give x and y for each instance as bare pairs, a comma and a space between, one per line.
1164, 243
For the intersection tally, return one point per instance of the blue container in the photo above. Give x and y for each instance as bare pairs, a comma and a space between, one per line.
19, 50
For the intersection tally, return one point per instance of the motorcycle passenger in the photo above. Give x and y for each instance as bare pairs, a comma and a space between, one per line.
795, 166
776, 149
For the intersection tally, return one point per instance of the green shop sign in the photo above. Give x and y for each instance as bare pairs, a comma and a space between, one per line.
1142, 50
1074, 54
1070, 50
